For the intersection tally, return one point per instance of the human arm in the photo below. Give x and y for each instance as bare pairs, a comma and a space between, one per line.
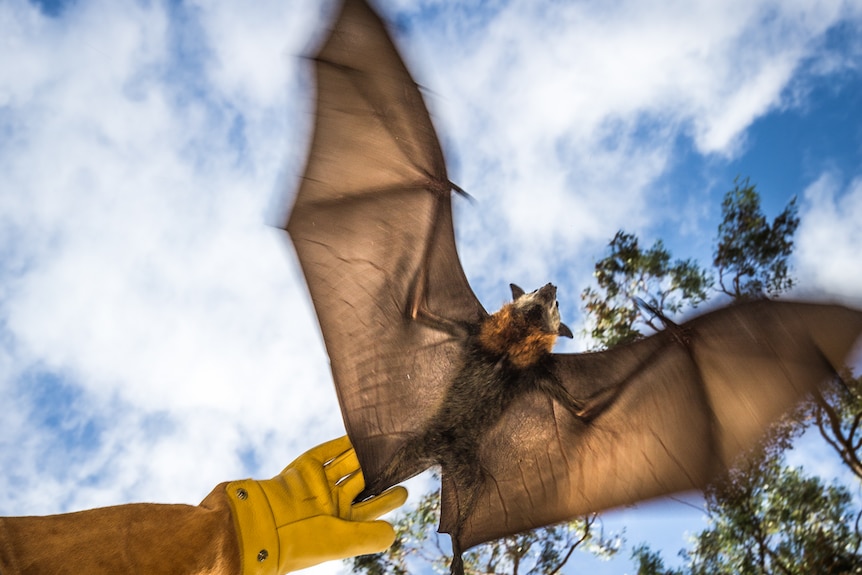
303, 516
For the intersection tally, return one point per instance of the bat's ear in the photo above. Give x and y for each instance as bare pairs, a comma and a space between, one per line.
516, 291
565, 331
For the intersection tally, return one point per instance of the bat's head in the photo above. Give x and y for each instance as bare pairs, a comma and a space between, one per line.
541, 309
525, 330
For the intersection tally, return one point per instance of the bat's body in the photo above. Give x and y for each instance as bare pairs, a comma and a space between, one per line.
425, 376
502, 359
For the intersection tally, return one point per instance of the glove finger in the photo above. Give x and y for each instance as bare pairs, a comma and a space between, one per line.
328, 450
368, 536
345, 493
345, 464
350, 487
376, 506
325, 538
351, 538
310, 465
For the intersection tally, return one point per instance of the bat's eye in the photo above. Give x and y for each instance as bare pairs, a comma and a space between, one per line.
557, 304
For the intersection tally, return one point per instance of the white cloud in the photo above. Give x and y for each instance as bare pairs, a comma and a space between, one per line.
137, 266
829, 238
252, 45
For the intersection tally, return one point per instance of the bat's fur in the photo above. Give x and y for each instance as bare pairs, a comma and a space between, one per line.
501, 362
513, 334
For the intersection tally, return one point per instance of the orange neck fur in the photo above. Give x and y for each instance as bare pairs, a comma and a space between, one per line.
506, 333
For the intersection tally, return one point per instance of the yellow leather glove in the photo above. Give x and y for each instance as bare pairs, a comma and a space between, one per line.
306, 515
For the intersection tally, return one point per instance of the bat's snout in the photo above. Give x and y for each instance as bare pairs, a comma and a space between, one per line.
547, 293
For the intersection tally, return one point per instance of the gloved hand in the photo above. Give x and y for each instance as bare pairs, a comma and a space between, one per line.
306, 515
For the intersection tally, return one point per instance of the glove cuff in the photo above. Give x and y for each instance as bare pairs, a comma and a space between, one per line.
255, 527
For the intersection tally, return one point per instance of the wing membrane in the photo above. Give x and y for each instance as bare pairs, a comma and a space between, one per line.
372, 226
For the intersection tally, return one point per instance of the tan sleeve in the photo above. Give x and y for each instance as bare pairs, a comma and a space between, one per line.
137, 538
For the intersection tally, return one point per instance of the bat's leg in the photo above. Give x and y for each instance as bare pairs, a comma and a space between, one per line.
407, 462
583, 410
467, 480
457, 566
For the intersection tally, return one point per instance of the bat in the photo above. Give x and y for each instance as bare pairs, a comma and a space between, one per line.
425, 376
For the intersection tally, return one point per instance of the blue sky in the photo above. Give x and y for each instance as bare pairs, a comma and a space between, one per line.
155, 334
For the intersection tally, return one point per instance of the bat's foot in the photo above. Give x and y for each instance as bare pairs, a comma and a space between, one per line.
367, 493
457, 567
375, 488
363, 496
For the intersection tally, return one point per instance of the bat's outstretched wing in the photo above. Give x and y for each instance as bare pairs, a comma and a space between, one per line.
372, 225
690, 399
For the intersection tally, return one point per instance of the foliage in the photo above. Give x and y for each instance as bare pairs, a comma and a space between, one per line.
775, 519
650, 562
838, 415
751, 260
629, 273
538, 552
751, 256
770, 519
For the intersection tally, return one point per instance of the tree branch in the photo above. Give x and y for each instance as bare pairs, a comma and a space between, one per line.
588, 523
841, 443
